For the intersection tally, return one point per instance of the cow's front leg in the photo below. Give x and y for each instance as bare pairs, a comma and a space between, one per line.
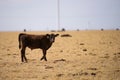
44, 55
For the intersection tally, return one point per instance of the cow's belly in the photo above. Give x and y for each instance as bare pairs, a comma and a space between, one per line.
33, 46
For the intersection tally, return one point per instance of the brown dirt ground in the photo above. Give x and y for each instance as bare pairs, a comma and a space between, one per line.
87, 55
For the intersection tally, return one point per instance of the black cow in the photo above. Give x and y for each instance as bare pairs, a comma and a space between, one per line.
43, 42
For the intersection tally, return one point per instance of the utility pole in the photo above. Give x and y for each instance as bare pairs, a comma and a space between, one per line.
58, 3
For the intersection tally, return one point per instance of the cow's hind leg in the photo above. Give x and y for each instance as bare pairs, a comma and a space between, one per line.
44, 55
23, 57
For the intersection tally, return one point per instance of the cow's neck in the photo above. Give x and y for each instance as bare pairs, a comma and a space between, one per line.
47, 45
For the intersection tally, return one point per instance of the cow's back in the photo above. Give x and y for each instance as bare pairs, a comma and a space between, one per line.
33, 41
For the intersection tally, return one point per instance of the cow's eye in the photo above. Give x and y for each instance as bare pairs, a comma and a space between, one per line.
48, 37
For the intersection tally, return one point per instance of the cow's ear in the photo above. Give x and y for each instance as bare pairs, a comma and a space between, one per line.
48, 36
56, 35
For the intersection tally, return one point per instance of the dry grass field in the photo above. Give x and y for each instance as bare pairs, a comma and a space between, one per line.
87, 55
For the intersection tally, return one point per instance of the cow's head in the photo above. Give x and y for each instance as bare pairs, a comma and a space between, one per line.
51, 37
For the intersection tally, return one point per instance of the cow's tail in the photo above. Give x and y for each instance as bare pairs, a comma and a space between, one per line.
19, 39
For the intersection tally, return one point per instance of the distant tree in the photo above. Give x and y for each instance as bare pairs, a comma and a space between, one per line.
117, 29
24, 30
63, 29
78, 30
102, 29
53, 31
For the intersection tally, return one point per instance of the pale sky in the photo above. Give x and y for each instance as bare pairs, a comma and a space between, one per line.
74, 14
